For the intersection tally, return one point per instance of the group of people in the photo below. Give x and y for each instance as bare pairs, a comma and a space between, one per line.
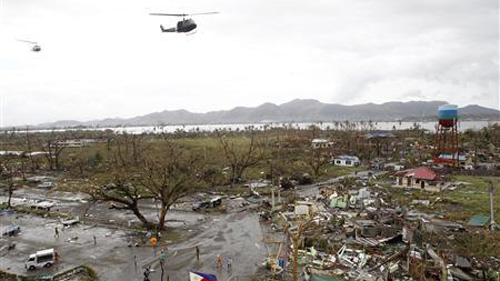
220, 263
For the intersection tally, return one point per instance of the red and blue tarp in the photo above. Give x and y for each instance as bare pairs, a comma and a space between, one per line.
196, 276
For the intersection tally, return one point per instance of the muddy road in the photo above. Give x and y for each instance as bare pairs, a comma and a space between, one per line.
238, 235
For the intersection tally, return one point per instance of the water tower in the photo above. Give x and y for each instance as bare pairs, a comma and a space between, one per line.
447, 147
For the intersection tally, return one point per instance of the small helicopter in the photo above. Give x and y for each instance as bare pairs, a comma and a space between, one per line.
35, 47
183, 26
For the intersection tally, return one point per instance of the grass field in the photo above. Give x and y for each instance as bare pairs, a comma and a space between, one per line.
459, 204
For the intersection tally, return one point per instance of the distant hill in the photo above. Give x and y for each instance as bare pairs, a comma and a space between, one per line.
298, 110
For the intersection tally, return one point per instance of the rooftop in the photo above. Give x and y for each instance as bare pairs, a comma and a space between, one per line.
422, 173
347, 157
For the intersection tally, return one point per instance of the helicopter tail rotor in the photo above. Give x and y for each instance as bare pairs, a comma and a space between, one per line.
173, 29
26, 41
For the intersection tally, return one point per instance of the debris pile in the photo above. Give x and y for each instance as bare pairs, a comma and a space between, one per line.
354, 233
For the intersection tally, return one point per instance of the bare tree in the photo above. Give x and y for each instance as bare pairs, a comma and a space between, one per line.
241, 156
213, 176
29, 150
168, 175
122, 189
164, 173
8, 172
52, 146
318, 158
124, 193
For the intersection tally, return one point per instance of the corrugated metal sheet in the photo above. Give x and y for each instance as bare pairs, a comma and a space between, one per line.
422, 173
479, 220
318, 277
367, 241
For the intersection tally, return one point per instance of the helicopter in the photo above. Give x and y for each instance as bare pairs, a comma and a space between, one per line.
184, 25
35, 47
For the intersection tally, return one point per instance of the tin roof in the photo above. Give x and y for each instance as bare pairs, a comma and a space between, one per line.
422, 173
347, 157
478, 220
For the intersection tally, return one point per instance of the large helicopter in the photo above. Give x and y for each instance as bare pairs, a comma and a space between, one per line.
34, 46
184, 25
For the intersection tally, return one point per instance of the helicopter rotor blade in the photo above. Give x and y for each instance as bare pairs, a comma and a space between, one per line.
169, 15
207, 13
26, 41
182, 15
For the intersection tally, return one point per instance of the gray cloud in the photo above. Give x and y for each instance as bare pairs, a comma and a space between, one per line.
108, 58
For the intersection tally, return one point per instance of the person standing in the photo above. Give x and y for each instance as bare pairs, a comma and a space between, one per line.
229, 264
146, 274
56, 232
95, 239
219, 262
198, 253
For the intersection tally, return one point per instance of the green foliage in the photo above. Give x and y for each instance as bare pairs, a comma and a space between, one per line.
97, 158
473, 198
5, 276
481, 244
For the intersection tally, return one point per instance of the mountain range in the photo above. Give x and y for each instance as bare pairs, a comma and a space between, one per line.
298, 110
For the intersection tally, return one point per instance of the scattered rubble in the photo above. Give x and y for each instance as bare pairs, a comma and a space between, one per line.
354, 233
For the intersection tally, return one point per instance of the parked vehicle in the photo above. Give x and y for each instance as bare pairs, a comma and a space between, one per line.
11, 230
68, 223
44, 258
43, 205
212, 203
46, 184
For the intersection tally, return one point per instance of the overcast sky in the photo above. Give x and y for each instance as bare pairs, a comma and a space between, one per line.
108, 58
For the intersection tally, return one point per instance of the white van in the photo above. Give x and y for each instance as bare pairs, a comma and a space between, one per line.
45, 258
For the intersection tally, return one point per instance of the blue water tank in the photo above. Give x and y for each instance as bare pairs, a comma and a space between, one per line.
448, 115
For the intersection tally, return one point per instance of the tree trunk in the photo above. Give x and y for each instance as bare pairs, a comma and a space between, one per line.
163, 215
239, 173
233, 175
316, 169
139, 215
57, 162
11, 191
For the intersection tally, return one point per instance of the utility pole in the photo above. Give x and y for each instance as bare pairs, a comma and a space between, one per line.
492, 209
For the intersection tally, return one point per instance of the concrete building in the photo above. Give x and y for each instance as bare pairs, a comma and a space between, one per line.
346, 161
321, 143
76, 143
421, 178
